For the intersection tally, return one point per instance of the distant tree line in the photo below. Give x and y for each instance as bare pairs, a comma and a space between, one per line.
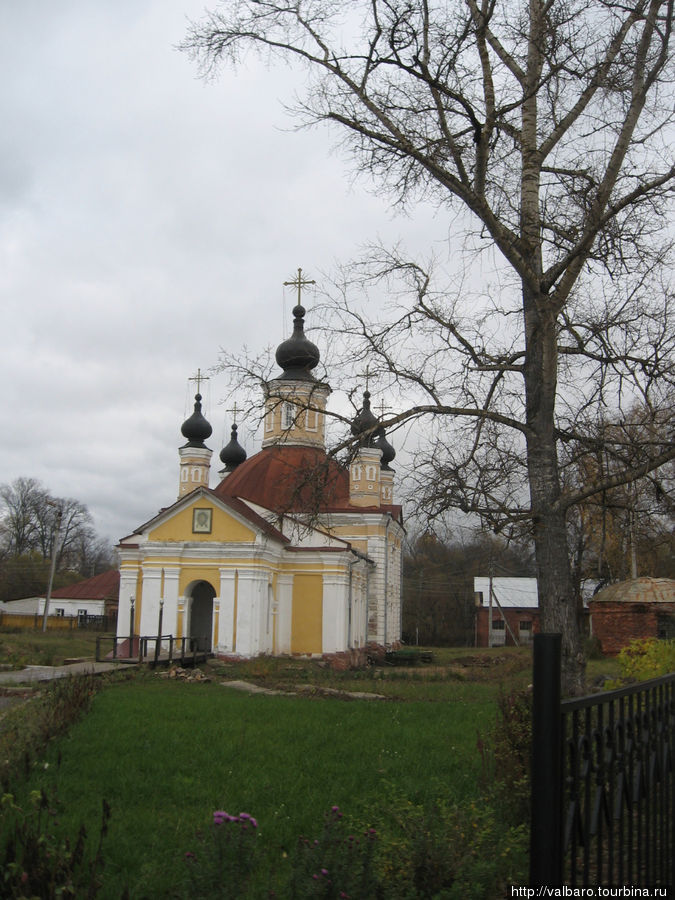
438, 595
34, 524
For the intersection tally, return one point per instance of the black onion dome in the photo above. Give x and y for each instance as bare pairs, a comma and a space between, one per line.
232, 454
297, 355
388, 452
196, 429
364, 421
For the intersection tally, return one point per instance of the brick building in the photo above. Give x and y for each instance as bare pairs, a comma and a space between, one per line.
514, 611
641, 608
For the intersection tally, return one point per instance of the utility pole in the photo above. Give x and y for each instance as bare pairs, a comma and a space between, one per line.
55, 550
491, 569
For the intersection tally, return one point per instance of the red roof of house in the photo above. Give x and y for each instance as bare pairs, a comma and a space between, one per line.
289, 479
105, 586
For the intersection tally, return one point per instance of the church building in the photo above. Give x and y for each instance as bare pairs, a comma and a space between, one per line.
291, 552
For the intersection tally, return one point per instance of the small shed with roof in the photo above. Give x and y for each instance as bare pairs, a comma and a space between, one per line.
639, 608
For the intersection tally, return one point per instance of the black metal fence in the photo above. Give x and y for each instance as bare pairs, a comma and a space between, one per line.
603, 785
151, 648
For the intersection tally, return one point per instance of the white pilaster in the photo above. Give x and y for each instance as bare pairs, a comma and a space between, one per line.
248, 611
284, 612
225, 639
128, 580
335, 612
152, 582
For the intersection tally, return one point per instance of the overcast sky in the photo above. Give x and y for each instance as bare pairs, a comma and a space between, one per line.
146, 220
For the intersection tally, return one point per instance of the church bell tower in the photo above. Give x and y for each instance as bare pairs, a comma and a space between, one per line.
295, 401
195, 456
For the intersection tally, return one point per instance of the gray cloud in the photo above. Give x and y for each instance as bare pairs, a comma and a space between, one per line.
146, 220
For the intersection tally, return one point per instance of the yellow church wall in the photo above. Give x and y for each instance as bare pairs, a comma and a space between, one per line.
188, 574
223, 527
307, 616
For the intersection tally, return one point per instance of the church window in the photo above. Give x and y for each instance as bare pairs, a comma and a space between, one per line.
269, 420
289, 415
370, 473
183, 474
195, 474
312, 420
356, 473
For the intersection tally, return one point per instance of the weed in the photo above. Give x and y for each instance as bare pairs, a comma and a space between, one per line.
444, 849
337, 864
37, 861
27, 729
505, 756
224, 858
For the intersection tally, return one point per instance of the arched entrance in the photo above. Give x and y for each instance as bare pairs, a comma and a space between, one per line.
201, 615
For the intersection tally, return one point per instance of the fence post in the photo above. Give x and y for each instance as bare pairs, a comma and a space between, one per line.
159, 632
545, 834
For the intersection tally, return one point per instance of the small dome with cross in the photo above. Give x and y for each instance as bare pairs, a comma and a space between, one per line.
196, 429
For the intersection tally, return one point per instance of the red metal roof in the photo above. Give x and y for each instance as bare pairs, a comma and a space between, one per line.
105, 586
288, 479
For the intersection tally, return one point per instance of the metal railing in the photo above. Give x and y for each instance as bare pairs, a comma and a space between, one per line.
603, 781
146, 648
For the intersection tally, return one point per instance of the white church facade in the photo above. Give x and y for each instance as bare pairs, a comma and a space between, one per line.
291, 552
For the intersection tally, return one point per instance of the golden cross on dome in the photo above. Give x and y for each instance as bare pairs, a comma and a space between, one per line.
300, 283
199, 378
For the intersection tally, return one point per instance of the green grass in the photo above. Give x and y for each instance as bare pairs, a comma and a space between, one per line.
166, 754
33, 648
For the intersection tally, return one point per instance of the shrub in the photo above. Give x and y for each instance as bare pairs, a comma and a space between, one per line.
448, 851
506, 756
645, 658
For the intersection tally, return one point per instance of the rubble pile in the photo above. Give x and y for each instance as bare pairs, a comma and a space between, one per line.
185, 674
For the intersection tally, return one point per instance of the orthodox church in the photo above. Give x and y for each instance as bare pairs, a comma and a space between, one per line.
291, 553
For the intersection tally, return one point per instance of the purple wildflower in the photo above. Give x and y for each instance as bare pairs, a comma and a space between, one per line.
221, 816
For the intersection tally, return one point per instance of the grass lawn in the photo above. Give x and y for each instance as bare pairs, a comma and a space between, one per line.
23, 648
165, 755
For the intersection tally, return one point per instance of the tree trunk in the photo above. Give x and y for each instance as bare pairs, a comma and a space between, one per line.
554, 575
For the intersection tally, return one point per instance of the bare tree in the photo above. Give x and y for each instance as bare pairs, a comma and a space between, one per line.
31, 520
625, 531
547, 120
23, 503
